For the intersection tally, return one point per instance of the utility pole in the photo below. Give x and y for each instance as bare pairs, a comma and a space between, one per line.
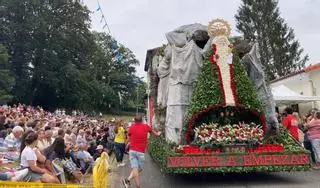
137, 102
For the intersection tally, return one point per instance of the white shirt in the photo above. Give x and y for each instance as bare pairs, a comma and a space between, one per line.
27, 155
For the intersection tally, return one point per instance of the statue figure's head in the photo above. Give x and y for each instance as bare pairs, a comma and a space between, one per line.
219, 30
219, 27
200, 37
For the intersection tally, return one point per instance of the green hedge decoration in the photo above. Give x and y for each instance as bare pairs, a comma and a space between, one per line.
207, 93
246, 93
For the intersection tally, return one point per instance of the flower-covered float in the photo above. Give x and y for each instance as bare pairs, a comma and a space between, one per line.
216, 115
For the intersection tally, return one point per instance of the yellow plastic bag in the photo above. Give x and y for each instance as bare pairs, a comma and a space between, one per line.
100, 171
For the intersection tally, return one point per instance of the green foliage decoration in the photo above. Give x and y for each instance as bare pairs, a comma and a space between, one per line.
207, 93
245, 92
284, 138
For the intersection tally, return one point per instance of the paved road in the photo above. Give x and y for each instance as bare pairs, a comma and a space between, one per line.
152, 177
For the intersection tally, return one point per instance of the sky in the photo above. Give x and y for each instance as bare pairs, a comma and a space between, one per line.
141, 24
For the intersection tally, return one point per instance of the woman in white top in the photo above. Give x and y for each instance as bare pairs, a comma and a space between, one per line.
29, 160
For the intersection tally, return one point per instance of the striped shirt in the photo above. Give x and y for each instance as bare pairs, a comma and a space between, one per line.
314, 129
12, 142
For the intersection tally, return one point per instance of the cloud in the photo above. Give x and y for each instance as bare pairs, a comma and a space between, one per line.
141, 24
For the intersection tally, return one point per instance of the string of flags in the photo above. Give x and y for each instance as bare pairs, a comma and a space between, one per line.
117, 55
103, 18
114, 44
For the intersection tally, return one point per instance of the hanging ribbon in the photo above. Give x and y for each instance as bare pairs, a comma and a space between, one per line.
103, 19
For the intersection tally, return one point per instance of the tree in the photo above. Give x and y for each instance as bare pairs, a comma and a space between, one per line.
280, 52
58, 62
114, 69
63, 54
7, 80
19, 19
51, 48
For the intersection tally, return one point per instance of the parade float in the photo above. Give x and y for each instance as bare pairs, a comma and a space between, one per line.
215, 109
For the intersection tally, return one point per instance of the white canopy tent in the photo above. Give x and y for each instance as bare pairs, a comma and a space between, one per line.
284, 95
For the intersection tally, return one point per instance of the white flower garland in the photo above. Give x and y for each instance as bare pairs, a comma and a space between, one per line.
223, 61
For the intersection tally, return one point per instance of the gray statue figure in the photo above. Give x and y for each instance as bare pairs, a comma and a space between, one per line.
163, 72
254, 68
185, 55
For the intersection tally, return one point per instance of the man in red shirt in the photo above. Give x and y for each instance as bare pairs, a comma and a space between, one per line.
138, 135
291, 123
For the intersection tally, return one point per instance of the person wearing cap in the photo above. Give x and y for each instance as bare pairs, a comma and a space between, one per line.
99, 150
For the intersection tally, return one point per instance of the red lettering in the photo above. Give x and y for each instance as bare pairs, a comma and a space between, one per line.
276, 160
183, 161
304, 159
173, 161
205, 161
188, 161
285, 159
294, 159
215, 161
231, 161
268, 159
258, 160
247, 160
196, 161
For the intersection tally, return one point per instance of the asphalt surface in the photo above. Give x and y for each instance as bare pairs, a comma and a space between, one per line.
152, 177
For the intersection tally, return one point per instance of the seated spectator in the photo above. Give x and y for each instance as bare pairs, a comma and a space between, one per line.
92, 147
61, 133
80, 138
40, 158
86, 160
55, 150
98, 152
67, 137
41, 140
12, 142
3, 135
29, 160
31, 125
58, 150
48, 133
74, 136
13, 176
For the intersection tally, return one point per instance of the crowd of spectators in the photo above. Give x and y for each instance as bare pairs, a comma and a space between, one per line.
304, 129
52, 147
